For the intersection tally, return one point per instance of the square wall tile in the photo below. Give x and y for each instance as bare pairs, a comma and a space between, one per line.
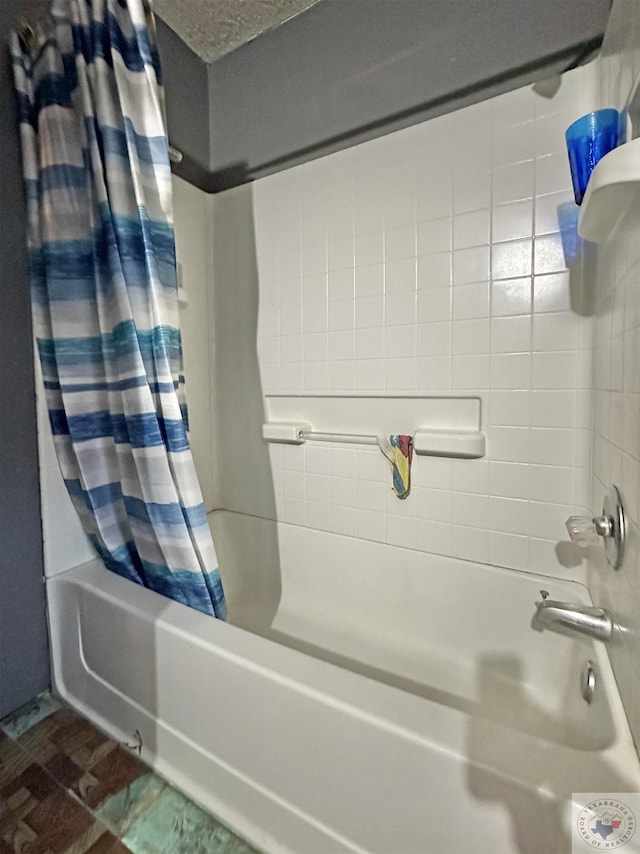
509, 550
510, 408
400, 275
434, 339
369, 312
511, 297
549, 256
555, 332
399, 242
341, 314
369, 248
552, 174
434, 271
470, 510
511, 260
471, 229
470, 543
553, 446
471, 336
435, 373
471, 301
471, 373
510, 371
509, 480
470, 265
509, 515
369, 280
514, 182
472, 190
513, 144
400, 341
434, 306
551, 293
554, 370
512, 221
470, 476
511, 334
510, 444
547, 212
434, 236
370, 374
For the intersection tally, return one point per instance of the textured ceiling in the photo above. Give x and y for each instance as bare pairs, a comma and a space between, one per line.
214, 27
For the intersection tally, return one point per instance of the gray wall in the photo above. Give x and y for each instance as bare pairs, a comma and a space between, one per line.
24, 654
187, 87
344, 72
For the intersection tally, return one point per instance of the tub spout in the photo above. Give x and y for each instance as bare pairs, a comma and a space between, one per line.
568, 618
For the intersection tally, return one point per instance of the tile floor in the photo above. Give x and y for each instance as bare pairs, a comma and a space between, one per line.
66, 788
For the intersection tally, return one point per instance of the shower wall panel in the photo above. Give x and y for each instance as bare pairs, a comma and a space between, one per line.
432, 261
616, 379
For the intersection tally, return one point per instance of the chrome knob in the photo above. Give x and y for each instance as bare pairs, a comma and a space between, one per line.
610, 528
603, 526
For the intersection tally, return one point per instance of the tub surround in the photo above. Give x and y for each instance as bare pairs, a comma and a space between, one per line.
418, 265
404, 265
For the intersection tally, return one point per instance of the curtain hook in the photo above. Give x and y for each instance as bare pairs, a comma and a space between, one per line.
26, 36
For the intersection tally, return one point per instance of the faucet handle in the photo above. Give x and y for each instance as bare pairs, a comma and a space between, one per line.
610, 528
584, 531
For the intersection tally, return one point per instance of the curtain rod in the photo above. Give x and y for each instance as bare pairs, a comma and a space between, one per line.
27, 37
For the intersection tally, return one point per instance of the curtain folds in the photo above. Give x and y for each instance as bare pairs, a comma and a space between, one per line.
104, 293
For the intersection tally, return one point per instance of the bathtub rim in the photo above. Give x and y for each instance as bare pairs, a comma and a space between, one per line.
299, 670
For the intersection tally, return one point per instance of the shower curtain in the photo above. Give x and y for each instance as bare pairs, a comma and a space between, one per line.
104, 292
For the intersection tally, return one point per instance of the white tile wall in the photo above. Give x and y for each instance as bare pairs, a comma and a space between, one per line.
193, 250
616, 372
431, 261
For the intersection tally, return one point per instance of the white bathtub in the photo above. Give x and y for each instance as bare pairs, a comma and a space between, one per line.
449, 725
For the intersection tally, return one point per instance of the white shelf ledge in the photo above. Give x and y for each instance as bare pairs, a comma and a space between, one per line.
440, 426
612, 188
449, 443
432, 443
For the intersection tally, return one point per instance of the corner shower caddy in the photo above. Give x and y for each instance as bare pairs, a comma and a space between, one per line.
446, 426
613, 187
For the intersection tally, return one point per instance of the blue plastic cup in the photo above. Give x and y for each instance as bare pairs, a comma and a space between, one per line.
588, 140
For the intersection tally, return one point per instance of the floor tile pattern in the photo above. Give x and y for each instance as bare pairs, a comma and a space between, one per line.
38, 815
66, 788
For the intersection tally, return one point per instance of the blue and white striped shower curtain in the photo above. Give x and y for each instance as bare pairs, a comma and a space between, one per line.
104, 293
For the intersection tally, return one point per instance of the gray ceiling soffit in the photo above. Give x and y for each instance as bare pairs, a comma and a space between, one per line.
346, 71
186, 84
212, 28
